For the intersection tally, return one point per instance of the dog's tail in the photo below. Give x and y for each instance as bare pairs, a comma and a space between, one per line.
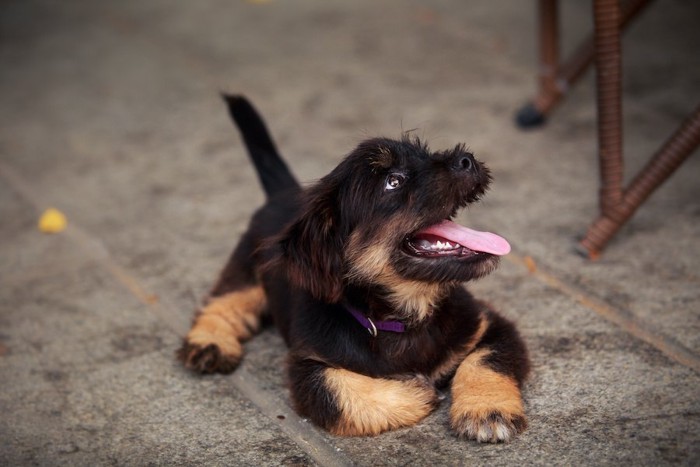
272, 171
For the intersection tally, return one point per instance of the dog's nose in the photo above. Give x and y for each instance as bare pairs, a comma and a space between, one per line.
463, 163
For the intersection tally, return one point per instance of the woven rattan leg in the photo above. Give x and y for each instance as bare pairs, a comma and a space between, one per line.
533, 114
661, 166
579, 61
549, 54
606, 14
555, 79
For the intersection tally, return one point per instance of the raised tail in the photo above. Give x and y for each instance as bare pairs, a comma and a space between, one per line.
272, 171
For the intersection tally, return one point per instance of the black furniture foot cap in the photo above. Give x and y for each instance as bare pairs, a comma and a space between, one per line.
529, 117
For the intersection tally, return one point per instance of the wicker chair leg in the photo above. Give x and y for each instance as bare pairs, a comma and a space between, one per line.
556, 79
606, 14
661, 166
534, 113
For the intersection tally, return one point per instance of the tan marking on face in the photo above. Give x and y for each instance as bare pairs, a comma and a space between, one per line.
227, 320
412, 300
478, 392
457, 356
370, 406
366, 262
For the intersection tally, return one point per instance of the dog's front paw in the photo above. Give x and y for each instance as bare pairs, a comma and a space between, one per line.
486, 405
213, 345
491, 427
367, 406
207, 358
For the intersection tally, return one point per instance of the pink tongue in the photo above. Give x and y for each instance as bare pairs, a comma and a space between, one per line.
478, 241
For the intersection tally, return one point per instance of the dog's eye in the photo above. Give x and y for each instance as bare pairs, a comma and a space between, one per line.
393, 181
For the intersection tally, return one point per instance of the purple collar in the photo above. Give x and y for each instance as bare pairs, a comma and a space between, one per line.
374, 326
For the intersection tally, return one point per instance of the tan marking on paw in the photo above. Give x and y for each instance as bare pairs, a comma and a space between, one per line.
370, 406
486, 405
227, 320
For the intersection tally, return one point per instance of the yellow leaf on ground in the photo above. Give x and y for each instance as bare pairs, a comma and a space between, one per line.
52, 221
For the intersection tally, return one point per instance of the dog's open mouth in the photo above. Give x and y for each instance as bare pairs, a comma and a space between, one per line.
450, 239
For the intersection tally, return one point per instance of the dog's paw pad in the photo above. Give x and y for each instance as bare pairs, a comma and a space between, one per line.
207, 359
494, 427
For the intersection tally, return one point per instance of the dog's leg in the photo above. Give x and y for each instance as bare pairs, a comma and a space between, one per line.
486, 402
230, 316
350, 404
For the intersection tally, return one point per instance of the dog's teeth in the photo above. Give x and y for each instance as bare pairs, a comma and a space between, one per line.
439, 245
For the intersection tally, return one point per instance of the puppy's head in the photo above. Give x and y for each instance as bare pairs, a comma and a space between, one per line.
382, 218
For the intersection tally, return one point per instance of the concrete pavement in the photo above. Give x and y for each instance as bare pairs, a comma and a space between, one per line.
110, 113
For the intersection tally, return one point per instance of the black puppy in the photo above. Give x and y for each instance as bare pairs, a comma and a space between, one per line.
361, 274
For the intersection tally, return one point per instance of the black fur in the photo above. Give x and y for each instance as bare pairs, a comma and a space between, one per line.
274, 174
308, 248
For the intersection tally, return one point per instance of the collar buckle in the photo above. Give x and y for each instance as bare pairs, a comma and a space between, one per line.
373, 329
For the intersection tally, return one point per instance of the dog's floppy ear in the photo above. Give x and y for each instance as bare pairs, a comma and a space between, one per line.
312, 247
